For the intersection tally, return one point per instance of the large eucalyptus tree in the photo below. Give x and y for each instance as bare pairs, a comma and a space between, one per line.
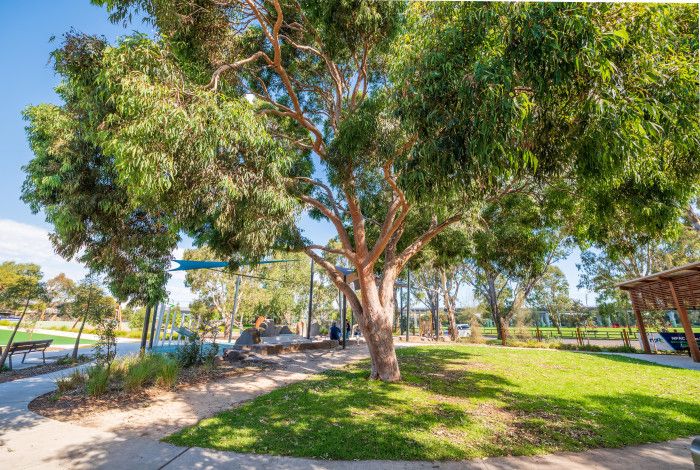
241, 114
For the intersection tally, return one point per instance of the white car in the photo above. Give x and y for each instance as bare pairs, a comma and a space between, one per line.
464, 330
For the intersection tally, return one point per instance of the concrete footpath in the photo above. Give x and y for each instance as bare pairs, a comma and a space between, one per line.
28, 440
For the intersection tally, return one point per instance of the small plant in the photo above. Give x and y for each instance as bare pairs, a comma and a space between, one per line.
97, 380
68, 360
106, 346
150, 368
139, 372
166, 376
190, 354
71, 382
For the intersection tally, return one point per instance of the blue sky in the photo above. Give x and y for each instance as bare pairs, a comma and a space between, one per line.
27, 78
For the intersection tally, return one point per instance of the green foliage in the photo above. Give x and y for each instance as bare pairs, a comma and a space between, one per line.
97, 382
135, 317
168, 373
68, 360
20, 283
106, 345
72, 382
551, 294
60, 290
149, 369
549, 88
629, 255
196, 352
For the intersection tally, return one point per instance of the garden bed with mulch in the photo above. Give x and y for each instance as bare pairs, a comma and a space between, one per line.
76, 404
16, 374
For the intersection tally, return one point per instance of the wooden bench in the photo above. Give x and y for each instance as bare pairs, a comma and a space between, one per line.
26, 347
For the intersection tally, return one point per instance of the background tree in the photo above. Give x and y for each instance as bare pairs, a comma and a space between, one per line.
443, 273
20, 284
213, 287
60, 290
627, 256
551, 294
90, 303
518, 239
534, 92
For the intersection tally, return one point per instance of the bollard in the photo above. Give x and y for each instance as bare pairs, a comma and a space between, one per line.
695, 452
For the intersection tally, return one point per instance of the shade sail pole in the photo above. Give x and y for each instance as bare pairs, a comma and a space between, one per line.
640, 324
687, 326
311, 301
235, 308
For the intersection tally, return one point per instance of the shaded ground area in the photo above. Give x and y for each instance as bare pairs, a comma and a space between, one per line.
23, 336
459, 402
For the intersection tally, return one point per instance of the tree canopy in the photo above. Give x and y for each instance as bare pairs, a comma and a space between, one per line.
241, 114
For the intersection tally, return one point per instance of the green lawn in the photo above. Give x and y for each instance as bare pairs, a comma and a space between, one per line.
462, 402
22, 336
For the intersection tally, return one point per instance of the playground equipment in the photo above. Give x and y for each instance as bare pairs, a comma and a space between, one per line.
166, 326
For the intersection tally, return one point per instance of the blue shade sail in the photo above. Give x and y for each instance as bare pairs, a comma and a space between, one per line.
188, 265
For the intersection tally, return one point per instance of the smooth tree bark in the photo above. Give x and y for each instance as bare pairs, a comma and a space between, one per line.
6, 350
80, 331
449, 306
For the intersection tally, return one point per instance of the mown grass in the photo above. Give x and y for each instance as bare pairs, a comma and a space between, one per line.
24, 336
459, 402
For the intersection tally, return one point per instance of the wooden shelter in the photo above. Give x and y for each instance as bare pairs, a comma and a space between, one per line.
674, 289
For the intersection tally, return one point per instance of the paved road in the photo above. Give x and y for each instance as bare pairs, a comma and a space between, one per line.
28, 440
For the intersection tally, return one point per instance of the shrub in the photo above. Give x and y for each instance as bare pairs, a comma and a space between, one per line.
190, 354
68, 359
148, 369
622, 349
166, 376
97, 380
71, 382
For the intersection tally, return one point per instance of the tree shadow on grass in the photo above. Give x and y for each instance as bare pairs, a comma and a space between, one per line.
448, 371
448, 407
342, 415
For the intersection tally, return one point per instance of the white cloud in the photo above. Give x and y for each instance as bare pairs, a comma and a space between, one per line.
24, 243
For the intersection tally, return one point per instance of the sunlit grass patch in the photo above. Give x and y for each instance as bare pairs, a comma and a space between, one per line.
460, 402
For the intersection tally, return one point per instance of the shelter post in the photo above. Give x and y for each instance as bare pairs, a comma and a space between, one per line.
685, 320
641, 329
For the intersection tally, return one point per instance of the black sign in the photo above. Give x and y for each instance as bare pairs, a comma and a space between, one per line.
678, 341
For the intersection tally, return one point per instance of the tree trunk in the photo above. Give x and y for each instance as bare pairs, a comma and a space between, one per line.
12, 336
504, 331
557, 323
77, 339
375, 321
380, 342
449, 306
